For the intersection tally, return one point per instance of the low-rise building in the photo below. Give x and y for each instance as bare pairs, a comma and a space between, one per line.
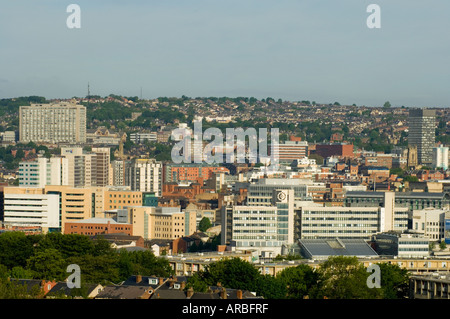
96, 226
403, 245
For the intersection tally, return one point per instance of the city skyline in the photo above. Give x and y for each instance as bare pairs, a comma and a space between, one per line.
320, 51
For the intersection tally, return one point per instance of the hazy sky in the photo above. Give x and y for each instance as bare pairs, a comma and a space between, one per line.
317, 50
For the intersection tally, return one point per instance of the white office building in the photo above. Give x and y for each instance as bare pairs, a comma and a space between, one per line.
31, 210
261, 228
43, 171
430, 222
314, 222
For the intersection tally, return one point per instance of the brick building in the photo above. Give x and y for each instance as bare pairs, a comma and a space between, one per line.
96, 226
341, 150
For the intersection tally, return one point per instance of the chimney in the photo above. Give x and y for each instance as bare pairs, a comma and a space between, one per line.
223, 293
239, 294
138, 279
190, 292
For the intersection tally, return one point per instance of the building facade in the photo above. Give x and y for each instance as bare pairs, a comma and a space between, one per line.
422, 126
144, 175
52, 123
161, 222
43, 171
31, 209
97, 226
440, 157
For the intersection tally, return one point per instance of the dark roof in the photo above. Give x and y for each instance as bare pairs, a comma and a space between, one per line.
216, 293
145, 281
159, 242
168, 294
124, 292
118, 237
29, 283
336, 247
62, 288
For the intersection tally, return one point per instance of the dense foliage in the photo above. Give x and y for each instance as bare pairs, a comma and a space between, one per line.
337, 278
47, 257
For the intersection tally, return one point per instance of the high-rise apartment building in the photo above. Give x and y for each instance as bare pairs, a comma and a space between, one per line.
422, 126
118, 172
144, 175
52, 123
87, 169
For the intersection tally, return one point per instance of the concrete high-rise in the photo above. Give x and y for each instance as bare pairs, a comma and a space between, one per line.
422, 126
52, 123
43, 171
87, 169
144, 175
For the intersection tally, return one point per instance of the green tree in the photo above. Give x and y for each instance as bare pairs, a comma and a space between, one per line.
197, 283
233, 273
15, 249
300, 281
97, 269
21, 273
146, 263
387, 105
394, 281
270, 287
346, 278
48, 264
204, 224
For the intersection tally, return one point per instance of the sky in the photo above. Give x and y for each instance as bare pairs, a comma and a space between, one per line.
317, 50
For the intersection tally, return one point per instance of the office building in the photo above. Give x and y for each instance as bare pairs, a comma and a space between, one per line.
334, 149
410, 200
429, 222
290, 150
31, 209
260, 193
75, 203
98, 226
52, 123
265, 228
160, 222
401, 244
191, 172
422, 126
319, 222
43, 171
